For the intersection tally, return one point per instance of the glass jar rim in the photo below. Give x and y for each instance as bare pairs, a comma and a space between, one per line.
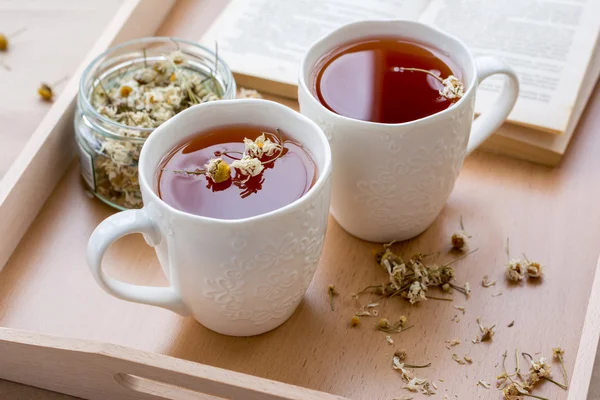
150, 39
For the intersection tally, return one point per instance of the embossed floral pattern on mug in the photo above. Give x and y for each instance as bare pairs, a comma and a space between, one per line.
275, 276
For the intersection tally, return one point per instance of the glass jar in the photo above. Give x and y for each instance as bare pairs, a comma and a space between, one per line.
110, 150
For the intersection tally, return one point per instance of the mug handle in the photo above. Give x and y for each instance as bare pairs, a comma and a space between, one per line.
491, 120
108, 232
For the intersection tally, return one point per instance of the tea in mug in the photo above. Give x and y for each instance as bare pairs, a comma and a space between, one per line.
236, 171
386, 80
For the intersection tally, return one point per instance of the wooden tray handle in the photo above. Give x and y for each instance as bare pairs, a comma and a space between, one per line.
104, 371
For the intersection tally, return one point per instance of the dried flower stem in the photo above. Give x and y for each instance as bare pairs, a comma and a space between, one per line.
197, 171
402, 69
564, 372
460, 289
355, 295
460, 258
504, 373
560, 385
17, 33
417, 366
437, 298
5, 65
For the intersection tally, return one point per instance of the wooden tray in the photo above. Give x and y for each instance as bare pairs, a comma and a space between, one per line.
63, 333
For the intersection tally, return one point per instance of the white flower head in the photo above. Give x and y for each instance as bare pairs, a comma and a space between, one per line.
538, 370
177, 57
416, 292
514, 270
460, 241
415, 384
248, 94
248, 166
533, 269
217, 170
261, 146
453, 88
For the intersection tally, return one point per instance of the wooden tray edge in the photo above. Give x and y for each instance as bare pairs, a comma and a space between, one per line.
48, 153
98, 371
588, 344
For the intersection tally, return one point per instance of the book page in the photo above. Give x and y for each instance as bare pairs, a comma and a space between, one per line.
548, 42
268, 38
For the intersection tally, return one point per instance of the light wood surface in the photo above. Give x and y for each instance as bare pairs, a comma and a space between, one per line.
550, 214
57, 35
11, 390
50, 149
106, 371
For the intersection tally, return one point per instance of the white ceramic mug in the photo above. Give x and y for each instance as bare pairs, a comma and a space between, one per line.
390, 181
237, 277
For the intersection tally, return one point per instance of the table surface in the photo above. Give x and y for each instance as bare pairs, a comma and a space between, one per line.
57, 35
550, 214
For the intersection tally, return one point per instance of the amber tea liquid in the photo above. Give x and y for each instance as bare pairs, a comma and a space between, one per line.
282, 182
366, 81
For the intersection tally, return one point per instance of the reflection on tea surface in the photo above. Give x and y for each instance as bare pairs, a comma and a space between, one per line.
236, 172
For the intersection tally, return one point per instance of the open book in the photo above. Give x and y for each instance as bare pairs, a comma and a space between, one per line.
551, 43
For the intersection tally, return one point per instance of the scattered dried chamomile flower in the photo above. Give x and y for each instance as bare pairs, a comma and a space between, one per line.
401, 354
412, 278
513, 391
486, 333
354, 321
515, 271
533, 269
389, 339
414, 385
468, 359
385, 326
46, 91
558, 352
467, 288
484, 384
4, 43
456, 358
452, 343
331, 292
485, 282
460, 241
537, 371
248, 94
